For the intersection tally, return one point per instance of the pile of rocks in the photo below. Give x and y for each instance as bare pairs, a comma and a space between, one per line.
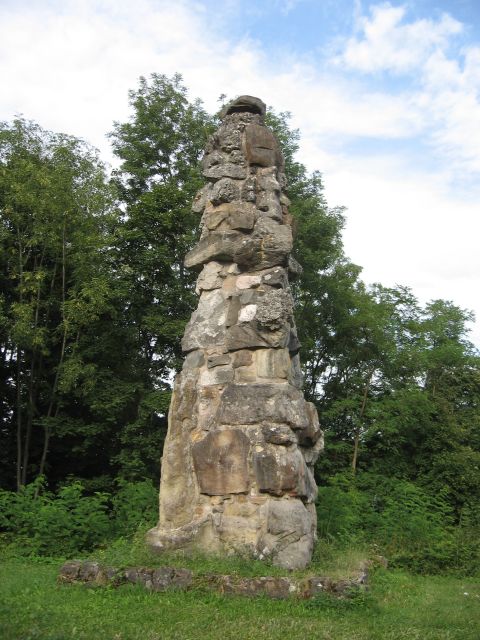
163, 578
237, 463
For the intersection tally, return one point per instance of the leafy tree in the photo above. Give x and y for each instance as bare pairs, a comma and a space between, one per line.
55, 207
451, 381
159, 148
326, 290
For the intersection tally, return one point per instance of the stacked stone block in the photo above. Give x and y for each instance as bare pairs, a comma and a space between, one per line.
237, 464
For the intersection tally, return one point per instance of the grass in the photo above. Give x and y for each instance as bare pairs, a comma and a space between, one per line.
399, 606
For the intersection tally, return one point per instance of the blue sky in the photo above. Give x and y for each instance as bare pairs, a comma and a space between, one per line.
306, 24
386, 95
311, 26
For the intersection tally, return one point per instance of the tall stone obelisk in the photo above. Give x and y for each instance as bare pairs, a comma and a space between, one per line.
237, 462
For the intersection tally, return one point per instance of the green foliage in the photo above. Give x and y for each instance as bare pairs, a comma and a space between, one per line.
398, 393
47, 524
94, 294
413, 528
35, 521
328, 286
466, 538
160, 148
341, 510
57, 212
135, 505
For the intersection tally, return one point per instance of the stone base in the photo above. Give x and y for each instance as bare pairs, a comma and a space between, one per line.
163, 578
282, 530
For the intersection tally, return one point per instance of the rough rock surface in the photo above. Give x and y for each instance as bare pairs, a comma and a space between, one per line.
242, 441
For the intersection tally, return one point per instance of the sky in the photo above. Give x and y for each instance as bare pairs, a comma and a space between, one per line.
386, 96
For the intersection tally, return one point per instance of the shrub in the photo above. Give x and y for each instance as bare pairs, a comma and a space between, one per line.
411, 527
134, 505
40, 522
416, 529
466, 540
342, 509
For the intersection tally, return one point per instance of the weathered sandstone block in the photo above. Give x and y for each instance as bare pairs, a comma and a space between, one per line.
220, 461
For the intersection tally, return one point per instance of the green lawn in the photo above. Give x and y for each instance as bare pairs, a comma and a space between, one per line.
398, 606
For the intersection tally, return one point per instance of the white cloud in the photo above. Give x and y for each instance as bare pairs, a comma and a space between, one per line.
451, 95
286, 6
445, 87
69, 66
403, 227
331, 109
387, 44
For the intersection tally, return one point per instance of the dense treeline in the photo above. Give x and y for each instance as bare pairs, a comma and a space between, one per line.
94, 299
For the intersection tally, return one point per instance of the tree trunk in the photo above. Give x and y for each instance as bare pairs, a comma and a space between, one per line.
46, 439
356, 442
31, 398
19, 370
19, 421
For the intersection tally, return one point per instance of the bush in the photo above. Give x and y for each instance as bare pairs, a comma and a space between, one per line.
414, 529
134, 505
341, 510
40, 522
466, 540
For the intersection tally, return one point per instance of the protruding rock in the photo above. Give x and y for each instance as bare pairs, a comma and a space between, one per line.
217, 361
289, 535
278, 434
206, 327
261, 147
275, 309
243, 104
210, 277
281, 470
231, 216
201, 199
225, 190
256, 403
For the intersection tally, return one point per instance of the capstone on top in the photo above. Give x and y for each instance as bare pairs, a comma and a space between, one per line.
249, 104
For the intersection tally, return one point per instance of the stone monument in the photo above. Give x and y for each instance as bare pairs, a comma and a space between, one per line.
237, 463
